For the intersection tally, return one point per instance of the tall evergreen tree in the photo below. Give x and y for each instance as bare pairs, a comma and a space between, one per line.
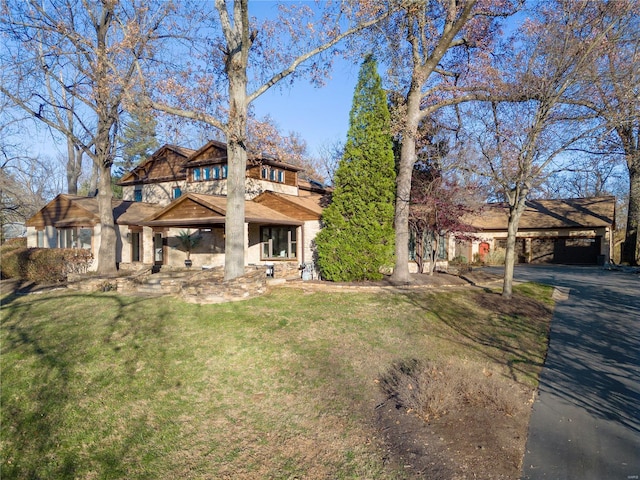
357, 239
138, 139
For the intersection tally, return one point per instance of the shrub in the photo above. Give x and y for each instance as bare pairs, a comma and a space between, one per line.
44, 265
495, 257
459, 260
435, 388
13, 244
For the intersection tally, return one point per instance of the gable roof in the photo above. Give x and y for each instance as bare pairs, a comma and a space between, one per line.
302, 208
77, 211
589, 212
166, 163
197, 209
211, 153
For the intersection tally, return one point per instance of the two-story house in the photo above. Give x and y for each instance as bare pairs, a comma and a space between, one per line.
180, 190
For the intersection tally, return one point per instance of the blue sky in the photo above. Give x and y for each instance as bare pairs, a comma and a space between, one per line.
319, 115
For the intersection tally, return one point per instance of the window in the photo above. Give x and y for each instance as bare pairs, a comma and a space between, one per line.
40, 240
224, 171
273, 174
196, 175
74, 238
137, 194
177, 192
136, 246
206, 173
278, 242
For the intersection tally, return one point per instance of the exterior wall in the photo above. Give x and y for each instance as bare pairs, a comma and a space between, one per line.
256, 186
160, 193
207, 187
252, 251
209, 253
527, 247
309, 231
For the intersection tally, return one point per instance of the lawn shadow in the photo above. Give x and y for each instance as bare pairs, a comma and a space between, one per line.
50, 363
488, 323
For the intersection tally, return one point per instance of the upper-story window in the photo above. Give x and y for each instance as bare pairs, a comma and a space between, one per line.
273, 174
137, 194
215, 172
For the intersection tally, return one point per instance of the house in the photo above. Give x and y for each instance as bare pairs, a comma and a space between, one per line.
182, 190
566, 231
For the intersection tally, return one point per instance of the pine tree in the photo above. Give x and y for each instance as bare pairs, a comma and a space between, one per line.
138, 139
357, 239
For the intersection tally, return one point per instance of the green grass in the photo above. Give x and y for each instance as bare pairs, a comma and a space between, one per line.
282, 386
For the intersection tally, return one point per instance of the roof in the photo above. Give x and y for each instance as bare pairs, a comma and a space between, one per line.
589, 212
74, 210
200, 209
302, 208
174, 170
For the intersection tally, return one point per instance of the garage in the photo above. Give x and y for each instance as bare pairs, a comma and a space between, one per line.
575, 231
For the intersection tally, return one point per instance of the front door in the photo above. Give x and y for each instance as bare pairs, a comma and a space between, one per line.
157, 249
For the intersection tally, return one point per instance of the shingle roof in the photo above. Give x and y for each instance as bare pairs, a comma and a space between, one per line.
589, 212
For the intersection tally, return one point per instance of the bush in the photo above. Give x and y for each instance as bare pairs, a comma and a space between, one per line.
495, 257
460, 260
435, 388
13, 244
44, 265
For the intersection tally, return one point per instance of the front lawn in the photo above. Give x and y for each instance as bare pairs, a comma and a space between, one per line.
282, 386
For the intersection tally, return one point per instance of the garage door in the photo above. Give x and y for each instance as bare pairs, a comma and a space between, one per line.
577, 251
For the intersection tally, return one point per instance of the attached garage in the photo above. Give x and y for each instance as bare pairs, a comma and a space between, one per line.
576, 231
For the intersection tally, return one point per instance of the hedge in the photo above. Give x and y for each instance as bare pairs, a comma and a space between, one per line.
44, 265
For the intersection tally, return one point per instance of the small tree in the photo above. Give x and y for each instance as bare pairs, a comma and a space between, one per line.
188, 242
357, 238
438, 208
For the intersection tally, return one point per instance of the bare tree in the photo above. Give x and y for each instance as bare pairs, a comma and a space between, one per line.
436, 52
610, 90
254, 58
95, 49
520, 141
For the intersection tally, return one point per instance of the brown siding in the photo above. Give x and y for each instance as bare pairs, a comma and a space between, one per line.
254, 172
62, 209
212, 153
290, 178
288, 209
188, 209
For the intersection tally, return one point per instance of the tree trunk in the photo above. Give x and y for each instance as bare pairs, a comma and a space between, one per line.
433, 253
234, 220
236, 68
403, 186
510, 254
107, 251
74, 167
631, 246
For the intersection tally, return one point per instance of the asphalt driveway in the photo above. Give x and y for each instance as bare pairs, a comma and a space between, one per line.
586, 419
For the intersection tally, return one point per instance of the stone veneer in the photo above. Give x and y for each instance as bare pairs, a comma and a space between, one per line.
200, 286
